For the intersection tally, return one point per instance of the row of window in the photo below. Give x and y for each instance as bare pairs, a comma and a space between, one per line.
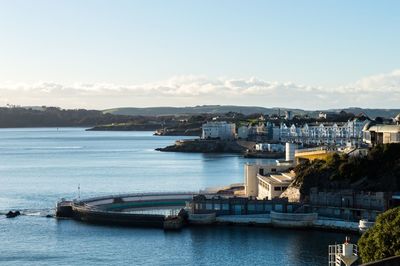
250, 207
268, 187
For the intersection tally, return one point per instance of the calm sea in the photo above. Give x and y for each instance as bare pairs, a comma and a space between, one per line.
40, 166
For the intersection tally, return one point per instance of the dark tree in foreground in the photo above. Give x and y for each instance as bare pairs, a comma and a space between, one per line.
383, 239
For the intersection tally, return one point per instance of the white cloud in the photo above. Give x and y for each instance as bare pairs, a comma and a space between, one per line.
381, 90
385, 83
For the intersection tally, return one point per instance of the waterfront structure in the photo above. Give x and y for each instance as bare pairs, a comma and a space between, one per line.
345, 253
310, 154
348, 204
381, 134
270, 147
290, 151
335, 133
129, 209
273, 185
253, 171
218, 130
203, 204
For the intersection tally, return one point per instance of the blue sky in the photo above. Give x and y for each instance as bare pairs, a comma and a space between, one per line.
99, 54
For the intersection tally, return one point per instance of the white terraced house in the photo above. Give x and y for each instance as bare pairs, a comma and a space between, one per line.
325, 133
218, 130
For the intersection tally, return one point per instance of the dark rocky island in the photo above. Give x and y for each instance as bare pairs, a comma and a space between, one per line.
209, 146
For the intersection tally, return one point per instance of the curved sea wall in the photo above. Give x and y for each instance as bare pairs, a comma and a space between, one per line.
280, 219
202, 218
117, 210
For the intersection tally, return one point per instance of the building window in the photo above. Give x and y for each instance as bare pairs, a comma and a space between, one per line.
277, 188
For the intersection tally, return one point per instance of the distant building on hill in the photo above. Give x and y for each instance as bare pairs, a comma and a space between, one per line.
288, 115
397, 119
322, 115
218, 130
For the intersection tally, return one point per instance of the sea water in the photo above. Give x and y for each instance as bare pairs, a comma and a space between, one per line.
40, 166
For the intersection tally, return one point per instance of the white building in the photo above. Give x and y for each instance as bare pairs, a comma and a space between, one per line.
218, 130
322, 115
325, 133
270, 147
252, 172
381, 134
273, 185
397, 119
243, 132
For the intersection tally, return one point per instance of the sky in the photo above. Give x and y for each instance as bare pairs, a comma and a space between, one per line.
104, 54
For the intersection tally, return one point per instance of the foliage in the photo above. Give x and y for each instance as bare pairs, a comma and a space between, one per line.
383, 239
379, 171
55, 117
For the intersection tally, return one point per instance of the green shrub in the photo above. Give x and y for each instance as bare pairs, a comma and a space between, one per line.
383, 239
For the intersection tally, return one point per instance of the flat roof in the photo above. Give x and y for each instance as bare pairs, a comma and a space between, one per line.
284, 178
385, 128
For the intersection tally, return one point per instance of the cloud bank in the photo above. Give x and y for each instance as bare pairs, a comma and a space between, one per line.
381, 90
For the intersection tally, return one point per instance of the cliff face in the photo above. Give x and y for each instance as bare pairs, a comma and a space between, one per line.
292, 193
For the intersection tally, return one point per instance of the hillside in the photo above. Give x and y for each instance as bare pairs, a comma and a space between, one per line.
370, 112
203, 109
246, 110
55, 117
379, 171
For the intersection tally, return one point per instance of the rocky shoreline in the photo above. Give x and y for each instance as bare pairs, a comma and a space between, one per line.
195, 132
125, 127
209, 146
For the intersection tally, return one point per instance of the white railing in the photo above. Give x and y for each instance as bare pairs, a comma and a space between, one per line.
146, 194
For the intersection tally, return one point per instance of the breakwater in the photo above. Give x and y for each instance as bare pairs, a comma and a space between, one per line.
129, 210
175, 210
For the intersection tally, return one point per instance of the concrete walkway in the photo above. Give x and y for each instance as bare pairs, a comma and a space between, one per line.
265, 220
260, 219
